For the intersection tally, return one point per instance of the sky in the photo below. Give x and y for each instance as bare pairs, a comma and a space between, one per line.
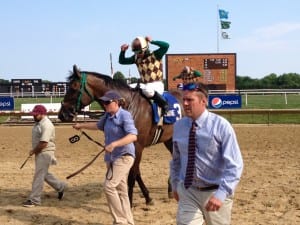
44, 39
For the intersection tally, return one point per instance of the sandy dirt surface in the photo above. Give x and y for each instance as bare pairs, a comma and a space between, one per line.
269, 192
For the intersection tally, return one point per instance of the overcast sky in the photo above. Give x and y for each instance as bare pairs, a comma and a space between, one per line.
43, 39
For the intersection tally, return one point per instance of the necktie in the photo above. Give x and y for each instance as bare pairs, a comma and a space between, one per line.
191, 157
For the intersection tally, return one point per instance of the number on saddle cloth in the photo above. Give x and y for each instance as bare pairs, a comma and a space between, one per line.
173, 113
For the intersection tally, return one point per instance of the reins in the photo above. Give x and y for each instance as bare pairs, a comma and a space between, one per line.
91, 139
76, 138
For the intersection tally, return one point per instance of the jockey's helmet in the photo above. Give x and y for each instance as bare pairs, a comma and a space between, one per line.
139, 45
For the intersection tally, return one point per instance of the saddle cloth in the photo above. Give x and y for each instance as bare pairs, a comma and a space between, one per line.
173, 113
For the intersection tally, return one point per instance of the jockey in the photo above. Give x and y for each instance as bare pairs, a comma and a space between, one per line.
150, 67
188, 75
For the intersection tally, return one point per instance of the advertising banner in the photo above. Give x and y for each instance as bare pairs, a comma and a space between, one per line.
225, 101
7, 103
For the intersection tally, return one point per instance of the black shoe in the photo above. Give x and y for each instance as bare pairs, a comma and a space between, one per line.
165, 110
61, 194
161, 102
28, 203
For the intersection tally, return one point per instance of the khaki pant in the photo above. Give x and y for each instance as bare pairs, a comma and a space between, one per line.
191, 208
116, 191
43, 161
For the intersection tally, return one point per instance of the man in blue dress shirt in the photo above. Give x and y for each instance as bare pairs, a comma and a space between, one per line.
218, 162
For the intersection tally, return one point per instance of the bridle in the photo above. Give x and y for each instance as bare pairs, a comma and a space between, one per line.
83, 89
74, 108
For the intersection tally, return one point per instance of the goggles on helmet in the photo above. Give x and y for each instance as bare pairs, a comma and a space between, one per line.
139, 45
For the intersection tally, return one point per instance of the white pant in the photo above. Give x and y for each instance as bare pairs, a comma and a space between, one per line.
191, 208
149, 89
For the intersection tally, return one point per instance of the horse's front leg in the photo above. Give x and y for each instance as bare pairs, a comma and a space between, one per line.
131, 182
144, 190
135, 175
169, 146
132, 177
170, 191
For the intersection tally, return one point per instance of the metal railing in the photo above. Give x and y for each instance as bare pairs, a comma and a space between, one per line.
46, 94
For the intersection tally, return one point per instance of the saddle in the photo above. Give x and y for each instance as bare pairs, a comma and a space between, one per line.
173, 113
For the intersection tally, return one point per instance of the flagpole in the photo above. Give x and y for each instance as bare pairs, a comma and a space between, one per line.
218, 21
111, 66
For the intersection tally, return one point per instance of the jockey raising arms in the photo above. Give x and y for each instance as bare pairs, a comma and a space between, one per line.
150, 67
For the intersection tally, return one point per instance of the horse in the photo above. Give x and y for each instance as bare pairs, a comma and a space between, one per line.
86, 87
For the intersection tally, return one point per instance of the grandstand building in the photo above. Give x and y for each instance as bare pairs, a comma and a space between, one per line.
33, 87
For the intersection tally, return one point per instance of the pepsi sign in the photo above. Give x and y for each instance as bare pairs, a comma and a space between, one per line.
225, 101
7, 103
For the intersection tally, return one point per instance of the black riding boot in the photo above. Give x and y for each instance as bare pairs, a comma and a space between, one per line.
161, 102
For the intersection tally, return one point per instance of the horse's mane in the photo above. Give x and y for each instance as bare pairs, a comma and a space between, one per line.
115, 83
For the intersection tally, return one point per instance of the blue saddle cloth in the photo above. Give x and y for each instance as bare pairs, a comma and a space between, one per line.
174, 112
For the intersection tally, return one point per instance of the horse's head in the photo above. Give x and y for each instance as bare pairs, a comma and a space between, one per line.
85, 87
77, 97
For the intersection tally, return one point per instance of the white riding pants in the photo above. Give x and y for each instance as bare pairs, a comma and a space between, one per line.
149, 89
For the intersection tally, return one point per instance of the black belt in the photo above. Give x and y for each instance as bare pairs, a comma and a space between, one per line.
126, 154
209, 188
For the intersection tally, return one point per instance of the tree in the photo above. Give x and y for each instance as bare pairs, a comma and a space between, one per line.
118, 76
272, 81
244, 82
269, 81
2, 81
290, 80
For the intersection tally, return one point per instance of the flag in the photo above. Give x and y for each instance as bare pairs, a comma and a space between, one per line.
225, 24
223, 14
225, 35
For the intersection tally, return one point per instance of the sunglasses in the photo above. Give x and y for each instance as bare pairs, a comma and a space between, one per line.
194, 87
107, 102
138, 51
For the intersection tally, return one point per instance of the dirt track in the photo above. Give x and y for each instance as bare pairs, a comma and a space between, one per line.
269, 192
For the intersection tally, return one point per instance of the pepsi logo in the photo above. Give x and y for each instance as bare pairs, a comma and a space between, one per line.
216, 102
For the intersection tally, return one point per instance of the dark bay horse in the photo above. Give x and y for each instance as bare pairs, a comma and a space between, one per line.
86, 87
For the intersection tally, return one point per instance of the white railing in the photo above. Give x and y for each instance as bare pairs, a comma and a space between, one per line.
247, 92
33, 94
256, 91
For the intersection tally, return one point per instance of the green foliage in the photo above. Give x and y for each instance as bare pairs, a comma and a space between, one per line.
133, 80
119, 76
2, 81
271, 81
290, 80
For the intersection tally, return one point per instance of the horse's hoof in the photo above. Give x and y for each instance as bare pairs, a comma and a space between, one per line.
150, 202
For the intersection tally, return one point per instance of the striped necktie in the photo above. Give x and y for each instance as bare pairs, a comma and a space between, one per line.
191, 157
